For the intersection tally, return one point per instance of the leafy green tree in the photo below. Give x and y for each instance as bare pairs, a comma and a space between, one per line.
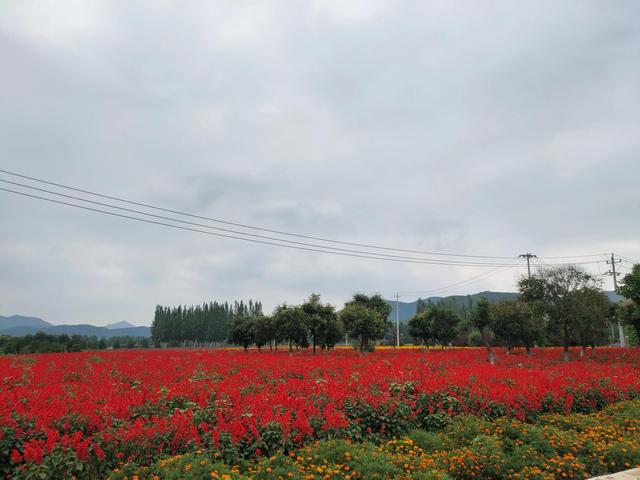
422, 305
363, 322
444, 323
289, 324
377, 304
592, 317
318, 318
532, 289
199, 323
264, 331
515, 323
482, 319
630, 285
333, 332
559, 289
242, 331
420, 326
374, 302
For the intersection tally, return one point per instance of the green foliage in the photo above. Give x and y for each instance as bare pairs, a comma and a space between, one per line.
264, 331
344, 460
434, 323
592, 317
557, 446
321, 322
193, 466
208, 322
464, 429
532, 289
44, 342
630, 285
474, 339
62, 463
429, 442
333, 332
242, 331
290, 325
515, 323
629, 311
482, 319
374, 302
444, 323
420, 326
363, 321
562, 294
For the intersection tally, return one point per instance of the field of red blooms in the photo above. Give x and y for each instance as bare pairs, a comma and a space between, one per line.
136, 405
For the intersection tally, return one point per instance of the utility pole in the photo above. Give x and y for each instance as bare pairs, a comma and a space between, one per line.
528, 256
615, 274
397, 320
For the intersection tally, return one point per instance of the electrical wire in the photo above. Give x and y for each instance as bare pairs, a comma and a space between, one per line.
129, 217
627, 259
271, 240
269, 230
162, 217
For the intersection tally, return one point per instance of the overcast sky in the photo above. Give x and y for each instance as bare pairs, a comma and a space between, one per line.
492, 128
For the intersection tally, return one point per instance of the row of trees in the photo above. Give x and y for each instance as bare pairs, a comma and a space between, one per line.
208, 322
44, 343
314, 324
556, 306
559, 306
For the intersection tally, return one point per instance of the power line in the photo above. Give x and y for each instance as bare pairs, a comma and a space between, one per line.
162, 217
490, 273
154, 222
556, 264
279, 232
627, 259
574, 256
270, 240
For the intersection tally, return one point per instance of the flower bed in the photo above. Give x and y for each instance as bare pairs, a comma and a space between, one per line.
557, 447
89, 411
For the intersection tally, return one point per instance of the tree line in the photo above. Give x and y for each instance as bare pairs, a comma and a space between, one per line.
204, 323
314, 324
47, 343
561, 306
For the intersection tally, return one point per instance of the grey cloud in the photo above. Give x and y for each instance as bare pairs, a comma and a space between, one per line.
457, 127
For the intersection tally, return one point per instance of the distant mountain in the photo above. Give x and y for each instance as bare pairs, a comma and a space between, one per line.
19, 325
408, 309
90, 330
113, 326
22, 321
614, 297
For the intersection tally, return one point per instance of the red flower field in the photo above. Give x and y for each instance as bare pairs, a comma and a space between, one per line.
137, 404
